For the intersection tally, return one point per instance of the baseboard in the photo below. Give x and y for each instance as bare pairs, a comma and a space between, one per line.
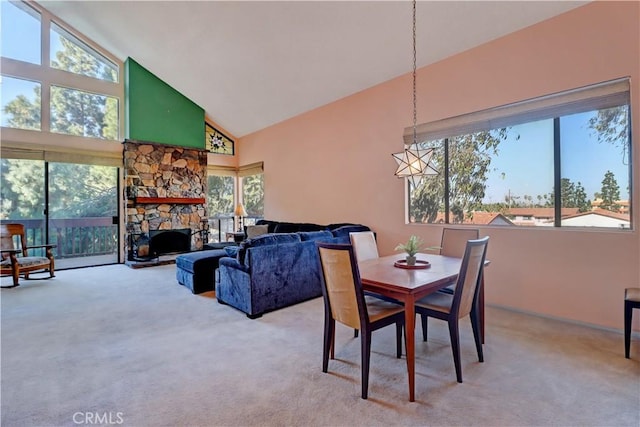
634, 334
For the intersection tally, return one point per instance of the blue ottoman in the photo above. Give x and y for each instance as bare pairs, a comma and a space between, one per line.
195, 270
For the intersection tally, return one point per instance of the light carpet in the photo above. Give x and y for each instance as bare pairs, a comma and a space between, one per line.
137, 347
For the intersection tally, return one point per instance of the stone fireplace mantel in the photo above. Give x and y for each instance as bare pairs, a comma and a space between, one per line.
170, 200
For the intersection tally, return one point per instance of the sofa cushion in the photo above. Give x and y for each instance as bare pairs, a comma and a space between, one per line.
264, 240
293, 227
256, 230
342, 233
324, 235
231, 251
332, 227
270, 224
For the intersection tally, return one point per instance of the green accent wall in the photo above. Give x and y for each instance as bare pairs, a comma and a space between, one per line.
156, 112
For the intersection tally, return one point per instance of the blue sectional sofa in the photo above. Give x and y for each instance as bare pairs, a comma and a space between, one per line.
275, 270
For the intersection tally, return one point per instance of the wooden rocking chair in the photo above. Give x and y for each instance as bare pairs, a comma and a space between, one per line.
15, 258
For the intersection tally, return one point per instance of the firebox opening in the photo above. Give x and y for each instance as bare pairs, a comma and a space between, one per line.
163, 242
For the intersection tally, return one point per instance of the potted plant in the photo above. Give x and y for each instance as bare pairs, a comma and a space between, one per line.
412, 247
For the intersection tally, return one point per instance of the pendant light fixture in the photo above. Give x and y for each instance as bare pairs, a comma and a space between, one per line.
414, 163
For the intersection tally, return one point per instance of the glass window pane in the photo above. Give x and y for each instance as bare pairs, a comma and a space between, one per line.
75, 112
426, 202
220, 195
20, 103
21, 189
20, 32
595, 168
519, 183
253, 195
70, 54
22, 198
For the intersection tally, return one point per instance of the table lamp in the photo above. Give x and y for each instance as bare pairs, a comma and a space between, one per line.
240, 213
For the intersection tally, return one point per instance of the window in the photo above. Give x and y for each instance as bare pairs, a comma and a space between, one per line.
84, 99
221, 184
220, 195
20, 32
70, 54
75, 112
503, 166
20, 101
253, 195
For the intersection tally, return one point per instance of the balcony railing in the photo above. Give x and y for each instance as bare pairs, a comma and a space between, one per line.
220, 225
74, 237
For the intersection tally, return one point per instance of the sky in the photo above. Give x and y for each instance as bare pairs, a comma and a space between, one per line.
583, 159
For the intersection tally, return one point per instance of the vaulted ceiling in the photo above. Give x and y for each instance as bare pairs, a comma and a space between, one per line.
251, 64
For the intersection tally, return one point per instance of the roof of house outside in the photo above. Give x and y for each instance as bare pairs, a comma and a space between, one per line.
602, 212
487, 218
541, 212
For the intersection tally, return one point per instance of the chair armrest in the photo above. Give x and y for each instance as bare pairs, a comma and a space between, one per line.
10, 251
48, 246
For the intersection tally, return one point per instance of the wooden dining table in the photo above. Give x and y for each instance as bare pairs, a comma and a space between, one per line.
380, 276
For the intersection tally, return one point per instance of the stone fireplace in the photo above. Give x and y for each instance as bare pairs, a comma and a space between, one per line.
165, 188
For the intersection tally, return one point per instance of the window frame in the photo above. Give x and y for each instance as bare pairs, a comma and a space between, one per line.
600, 96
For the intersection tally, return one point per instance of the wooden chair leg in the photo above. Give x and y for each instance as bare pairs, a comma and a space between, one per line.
51, 262
628, 313
327, 347
425, 323
454, 334
475, 325
365, 349
398, 340
333, 339
15, 269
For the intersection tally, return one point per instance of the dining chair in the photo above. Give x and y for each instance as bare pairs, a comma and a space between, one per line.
631, 301
364, 245
453, 243
16, 258
365, 248
345, 302
453, 307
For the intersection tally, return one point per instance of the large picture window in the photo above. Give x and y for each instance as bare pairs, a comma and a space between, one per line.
562, 160
55, 81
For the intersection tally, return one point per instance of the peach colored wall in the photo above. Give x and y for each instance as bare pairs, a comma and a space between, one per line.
334, 163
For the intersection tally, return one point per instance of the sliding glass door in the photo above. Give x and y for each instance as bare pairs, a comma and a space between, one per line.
74, 206
83, 214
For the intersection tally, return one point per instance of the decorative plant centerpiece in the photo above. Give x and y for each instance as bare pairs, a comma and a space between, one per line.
412, 247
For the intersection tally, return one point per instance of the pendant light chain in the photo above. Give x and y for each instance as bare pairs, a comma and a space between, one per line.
414, 163
415, 104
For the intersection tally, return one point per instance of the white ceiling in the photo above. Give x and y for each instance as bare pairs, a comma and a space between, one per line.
253, 64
